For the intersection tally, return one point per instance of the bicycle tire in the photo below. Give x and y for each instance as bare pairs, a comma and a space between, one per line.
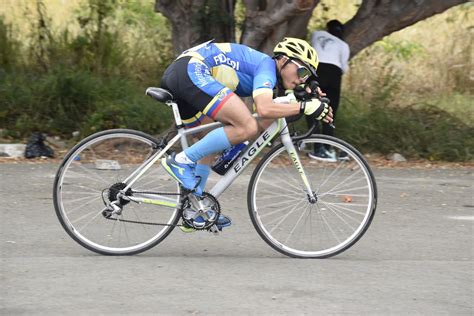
58, 192
332, 210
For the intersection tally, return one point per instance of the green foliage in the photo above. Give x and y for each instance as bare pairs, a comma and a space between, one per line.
65, 100
8, 47
424, 131
400, 49
135, 113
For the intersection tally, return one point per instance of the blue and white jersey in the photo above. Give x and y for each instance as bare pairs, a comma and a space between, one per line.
242, 69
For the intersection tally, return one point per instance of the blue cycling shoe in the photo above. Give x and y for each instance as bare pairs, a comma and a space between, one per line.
183, 173
222, 221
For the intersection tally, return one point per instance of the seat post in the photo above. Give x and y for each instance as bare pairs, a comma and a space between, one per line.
179, 123
177, 116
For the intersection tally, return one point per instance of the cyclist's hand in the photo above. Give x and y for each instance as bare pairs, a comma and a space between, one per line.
320, 92
320, 110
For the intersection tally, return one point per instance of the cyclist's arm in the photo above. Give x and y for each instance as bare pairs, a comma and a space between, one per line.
266, 108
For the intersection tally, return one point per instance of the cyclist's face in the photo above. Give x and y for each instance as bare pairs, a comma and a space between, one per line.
294, 74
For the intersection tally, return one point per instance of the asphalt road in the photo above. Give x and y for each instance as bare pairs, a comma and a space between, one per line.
416, 258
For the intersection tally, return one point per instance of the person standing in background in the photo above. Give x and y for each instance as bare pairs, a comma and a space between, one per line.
333, 55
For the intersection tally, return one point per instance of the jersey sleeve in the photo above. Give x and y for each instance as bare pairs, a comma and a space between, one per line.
265, 77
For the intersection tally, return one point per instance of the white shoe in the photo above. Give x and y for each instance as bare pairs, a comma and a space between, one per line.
323, 155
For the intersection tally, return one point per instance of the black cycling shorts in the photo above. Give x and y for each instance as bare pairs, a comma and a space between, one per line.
194, 89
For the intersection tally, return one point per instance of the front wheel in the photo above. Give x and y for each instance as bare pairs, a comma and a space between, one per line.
292, 222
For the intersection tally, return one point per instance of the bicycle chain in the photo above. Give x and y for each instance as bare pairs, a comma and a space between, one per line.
146, 223
137, 222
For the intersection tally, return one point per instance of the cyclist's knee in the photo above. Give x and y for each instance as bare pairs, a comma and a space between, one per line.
247, 130
252, 128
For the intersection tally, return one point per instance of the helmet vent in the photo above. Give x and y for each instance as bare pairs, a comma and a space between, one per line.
293, 49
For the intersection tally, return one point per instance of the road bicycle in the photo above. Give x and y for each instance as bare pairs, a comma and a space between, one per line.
112, 197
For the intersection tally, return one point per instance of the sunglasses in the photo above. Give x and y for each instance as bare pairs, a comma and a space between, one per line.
303, 72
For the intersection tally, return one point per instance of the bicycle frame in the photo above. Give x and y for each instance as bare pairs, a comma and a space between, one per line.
279, 126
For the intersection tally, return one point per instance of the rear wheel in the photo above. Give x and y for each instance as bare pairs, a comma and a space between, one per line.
293, 224
93, 173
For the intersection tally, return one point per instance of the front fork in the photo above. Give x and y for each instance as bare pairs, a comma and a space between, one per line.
291, 149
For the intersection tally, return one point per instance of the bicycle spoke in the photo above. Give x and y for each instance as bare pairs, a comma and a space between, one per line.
74, 176
339, 203
277, 211
328, 177
94, 176
348, 190
82, 205
297, 184
285, 216
348, 209
81, 193
271, 195
279, 204
145, 227
329, 227
342, 214
294, 227
280, 187
87, 223
340, 217
278, 179
91, 190
80, 199
344, 183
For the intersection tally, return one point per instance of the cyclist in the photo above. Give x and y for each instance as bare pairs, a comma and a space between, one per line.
206, 82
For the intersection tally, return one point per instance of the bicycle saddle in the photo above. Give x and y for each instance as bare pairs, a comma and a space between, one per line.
159, 94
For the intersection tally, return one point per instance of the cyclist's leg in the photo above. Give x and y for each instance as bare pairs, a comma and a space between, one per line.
218, 103
203, 166
239, 123
239, 126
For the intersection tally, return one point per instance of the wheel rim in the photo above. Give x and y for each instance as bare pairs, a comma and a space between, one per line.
79, 193
291, 223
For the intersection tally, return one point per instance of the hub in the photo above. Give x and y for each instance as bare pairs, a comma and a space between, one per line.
313, 199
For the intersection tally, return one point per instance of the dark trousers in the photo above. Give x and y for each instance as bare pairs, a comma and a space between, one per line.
329, 78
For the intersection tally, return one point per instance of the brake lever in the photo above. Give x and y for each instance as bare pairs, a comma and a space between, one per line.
326, 100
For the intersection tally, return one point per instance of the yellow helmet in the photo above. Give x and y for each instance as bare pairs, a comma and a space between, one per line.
299, 49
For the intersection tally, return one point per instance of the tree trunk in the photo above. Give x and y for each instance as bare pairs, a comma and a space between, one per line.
268, 21
378, 18
197, 21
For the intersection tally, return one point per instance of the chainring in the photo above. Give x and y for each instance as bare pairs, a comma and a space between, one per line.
212, 204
